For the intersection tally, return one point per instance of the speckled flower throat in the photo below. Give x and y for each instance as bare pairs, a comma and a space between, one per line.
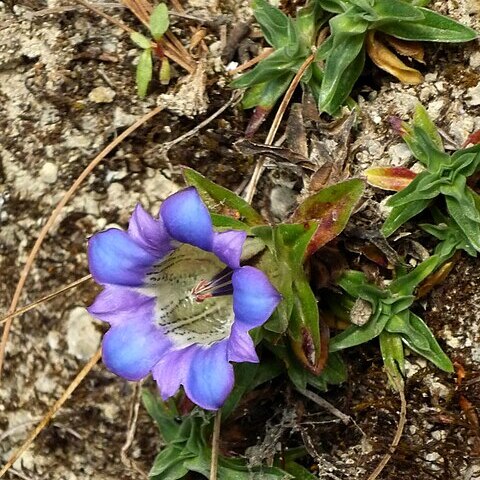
193, 291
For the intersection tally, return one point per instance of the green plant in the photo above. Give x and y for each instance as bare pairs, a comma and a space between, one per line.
445, 176
158, 25
385, 313
340, 59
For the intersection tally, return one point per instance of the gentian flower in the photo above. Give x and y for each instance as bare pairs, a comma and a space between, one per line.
177, 300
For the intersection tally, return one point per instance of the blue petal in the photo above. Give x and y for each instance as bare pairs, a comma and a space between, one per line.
227, 246
117, 304
254, 297
210, 378
187, 220
149, 233
172, 370
240, 345
114, 257
131, 348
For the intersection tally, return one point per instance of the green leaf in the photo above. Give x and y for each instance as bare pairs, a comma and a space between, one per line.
223, 196
399, 215
393, 358
159, 21
417, 336
406, 284
266, 94
170, 458
223, 221
144, 72
462, 212
304, 325
424, 122
163, 415
355, 335
345, 61
278, 29
432, 28
277, 64
140, 40
384, 12
334, 6
331, 209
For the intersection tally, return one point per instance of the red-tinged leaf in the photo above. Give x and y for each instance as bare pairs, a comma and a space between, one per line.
330, 209
390, 178
473, 139
258, 117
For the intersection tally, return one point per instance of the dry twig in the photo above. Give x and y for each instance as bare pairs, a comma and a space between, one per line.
44, 299
396, 438
259, 167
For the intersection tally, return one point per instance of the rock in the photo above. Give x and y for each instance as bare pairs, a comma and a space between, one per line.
83, 338
282, 200
475, 60
49, 173
102, 95
473, 96
400, 154
45, 384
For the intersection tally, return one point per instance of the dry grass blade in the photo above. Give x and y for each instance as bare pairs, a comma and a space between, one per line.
111, 19
265, 53
44, 299
53, 217
257, 172
55, 408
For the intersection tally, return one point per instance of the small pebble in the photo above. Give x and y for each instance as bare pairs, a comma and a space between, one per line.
102, 95
83, 338
49, 173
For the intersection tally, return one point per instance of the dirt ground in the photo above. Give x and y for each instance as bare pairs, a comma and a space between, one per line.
67, 90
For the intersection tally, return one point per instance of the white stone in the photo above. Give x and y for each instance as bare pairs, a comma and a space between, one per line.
475, 60
83, 338
45, 384
400, 154
49, 173
473, 96
53, 339
102, 95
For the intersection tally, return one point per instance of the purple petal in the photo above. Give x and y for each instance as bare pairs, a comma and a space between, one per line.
131, 348
118, 304
254, 297
172, 370
114, 257
227, 246
187, 220
149, 233
210, 378
240, 345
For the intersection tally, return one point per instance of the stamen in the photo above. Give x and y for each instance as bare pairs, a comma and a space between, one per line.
220, 284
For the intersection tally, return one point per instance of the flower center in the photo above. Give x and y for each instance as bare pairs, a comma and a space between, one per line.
193, 292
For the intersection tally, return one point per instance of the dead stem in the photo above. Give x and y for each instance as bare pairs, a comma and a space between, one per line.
131, 429
44, 299
55, 408
259, 167
326, 405
215, 444
53, 217
265, 53
396, 438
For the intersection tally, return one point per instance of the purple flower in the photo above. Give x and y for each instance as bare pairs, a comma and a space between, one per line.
177, 300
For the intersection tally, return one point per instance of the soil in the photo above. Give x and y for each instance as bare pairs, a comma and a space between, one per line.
67, 89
